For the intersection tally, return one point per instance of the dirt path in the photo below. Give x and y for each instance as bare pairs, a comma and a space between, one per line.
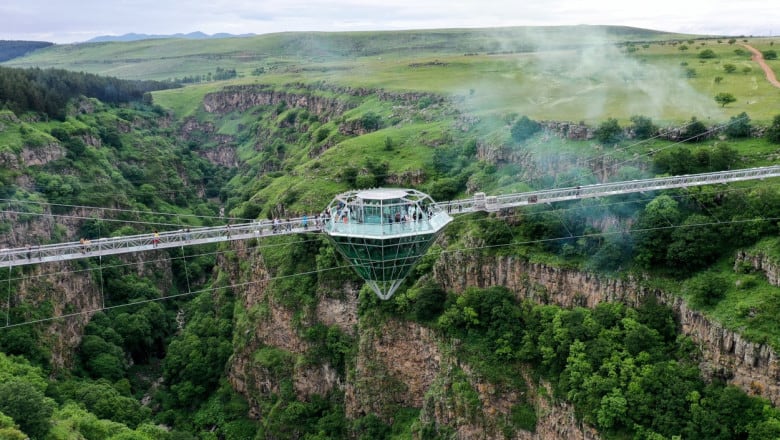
757, 57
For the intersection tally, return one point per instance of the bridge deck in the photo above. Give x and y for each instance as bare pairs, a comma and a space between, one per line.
170, 239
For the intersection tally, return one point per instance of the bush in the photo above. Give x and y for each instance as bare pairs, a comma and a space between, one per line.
643, 127
695, 131
706, 289
609, 132
429, 303
321, 134
371, 121
706, 54
524, 128
773, 131
524, 417
739, 126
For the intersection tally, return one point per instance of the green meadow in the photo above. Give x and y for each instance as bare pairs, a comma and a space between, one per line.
586, 73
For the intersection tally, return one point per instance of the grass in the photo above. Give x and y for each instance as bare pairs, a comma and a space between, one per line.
575, 73
750, 305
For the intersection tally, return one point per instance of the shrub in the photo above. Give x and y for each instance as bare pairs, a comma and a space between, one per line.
524, 128
706, 289
371, 121
739, 126
321, 134
773, 131
609, 132
706, 54
643, 127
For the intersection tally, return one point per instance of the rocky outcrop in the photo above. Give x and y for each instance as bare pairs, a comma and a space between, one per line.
750, 365
225, 155
273, 325
396, 364
69, 297
241, 98
759, 261
42, 155
568, 130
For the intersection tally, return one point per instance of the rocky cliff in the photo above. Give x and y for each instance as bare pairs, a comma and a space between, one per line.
241, 98
397, 364
749, 365
759, 261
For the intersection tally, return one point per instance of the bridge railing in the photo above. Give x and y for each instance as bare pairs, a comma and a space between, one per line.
482, 202
143, 242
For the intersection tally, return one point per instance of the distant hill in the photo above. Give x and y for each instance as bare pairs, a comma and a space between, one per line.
189, 36
12, 49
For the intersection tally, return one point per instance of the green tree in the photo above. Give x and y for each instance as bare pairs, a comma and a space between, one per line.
612, 411
371, 121
675, 162
773, 131
27, 406
653, 230
729, 68
706, 289
724, 98
524, 128
707, 53
694, 245
695, 130
738, 126
609, 132
10, 430
770, 54
723, 158
642, 127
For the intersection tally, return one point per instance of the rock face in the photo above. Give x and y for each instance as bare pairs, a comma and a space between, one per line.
241, 98
397, 364
761, 262
273, 325
70, 295
749, 365
42, 155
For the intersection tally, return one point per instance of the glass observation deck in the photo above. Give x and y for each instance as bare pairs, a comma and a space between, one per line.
383, 232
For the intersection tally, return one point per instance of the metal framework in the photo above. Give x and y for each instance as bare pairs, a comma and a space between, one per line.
383, 232
480, 202
148, 242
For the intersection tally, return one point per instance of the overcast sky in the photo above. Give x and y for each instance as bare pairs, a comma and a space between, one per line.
68, 21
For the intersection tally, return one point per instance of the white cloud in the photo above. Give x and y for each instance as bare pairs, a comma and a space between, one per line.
76, 20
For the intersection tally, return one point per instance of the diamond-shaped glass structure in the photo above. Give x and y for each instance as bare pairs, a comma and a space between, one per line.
383, 232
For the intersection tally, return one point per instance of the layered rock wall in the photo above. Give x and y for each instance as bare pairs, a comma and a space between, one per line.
750, 365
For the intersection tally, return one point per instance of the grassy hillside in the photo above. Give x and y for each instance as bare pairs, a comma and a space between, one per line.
583, 73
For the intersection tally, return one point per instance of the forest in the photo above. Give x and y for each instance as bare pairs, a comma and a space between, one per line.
12, 49
48, 91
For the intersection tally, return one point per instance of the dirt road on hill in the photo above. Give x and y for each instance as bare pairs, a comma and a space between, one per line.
757, 57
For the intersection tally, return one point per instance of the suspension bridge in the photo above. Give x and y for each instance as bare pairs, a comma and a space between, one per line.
382, 232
